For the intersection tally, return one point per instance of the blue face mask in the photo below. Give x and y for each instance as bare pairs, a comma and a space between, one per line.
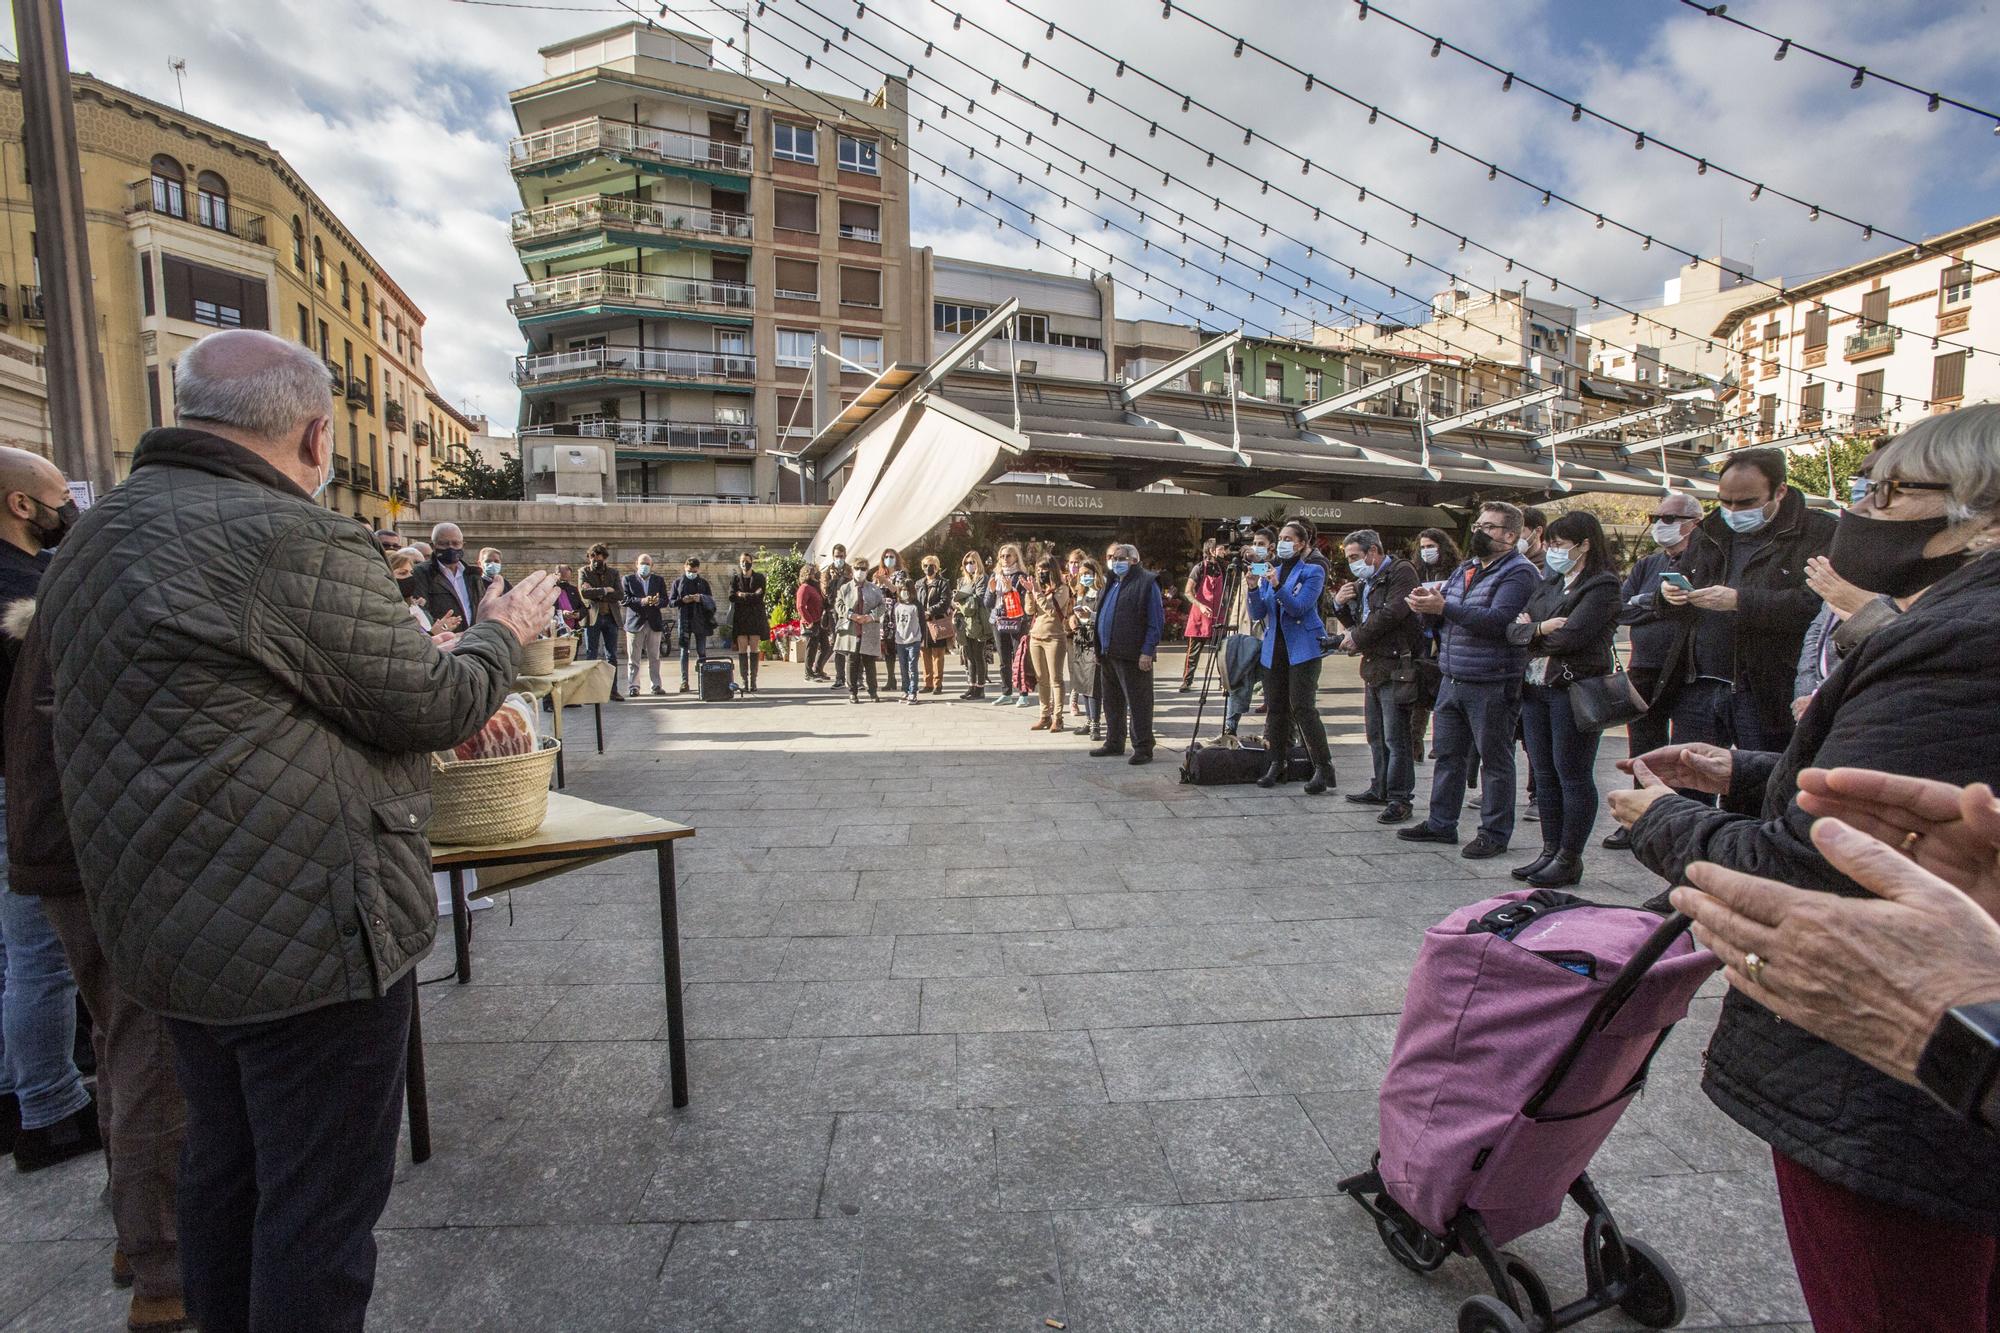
1361, 569
492, 568
1121, 567
1286, 548
1560, 560
1745, 520
1087, 580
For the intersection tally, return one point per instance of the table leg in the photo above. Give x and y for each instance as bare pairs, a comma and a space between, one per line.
555, 697
461, 925
415, 1091
670, 950
599, 710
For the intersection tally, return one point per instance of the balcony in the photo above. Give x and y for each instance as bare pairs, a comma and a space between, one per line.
633, 291
851, 232
665, 435
357, 392
422, 434
635, 365
364, 476
643, 143
392, 412
1878, 341
217, 214
32, 308
604, 213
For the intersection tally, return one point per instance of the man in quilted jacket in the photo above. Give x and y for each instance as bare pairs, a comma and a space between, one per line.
243, 714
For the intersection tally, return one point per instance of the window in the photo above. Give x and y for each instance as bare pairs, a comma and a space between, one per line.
1812, 405
1075, 340
732, 342
346, 290
1815, 329
858, 155
795, 211
347, 356
798, 280
146, 283
305, 328
211, 197
861, 287
169, 187
862, 351
1035, 329
1868, 396
949, 317
795, 348
731, 415
1314, 379
1874, 309
364, 303
298, 245
1274, 379
793, 143
860, 221
795, 416
1773, 332
319, 263
1767, 413
1948, 376
325, 347
368, 378
1955, 286
153, 395
212, 296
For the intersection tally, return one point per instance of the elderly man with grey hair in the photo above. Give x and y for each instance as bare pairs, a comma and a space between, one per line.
1130, 619
1672, 529
244, 712
451, 589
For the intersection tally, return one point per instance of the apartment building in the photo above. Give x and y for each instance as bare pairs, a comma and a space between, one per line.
1669, 344
1861, 350
711, 260
1067, 324
194, 227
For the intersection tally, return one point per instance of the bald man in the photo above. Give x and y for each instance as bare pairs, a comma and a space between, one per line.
244, 717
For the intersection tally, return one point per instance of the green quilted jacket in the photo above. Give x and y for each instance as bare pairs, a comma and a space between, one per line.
244, 714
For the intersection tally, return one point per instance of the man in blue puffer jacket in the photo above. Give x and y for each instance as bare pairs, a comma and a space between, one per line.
1479, 703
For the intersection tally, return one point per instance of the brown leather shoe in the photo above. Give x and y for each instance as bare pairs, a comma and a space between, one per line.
121, 1270
156, 1314
1055, 726
1041, 724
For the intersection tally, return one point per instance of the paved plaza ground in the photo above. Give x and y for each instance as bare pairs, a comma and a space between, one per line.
986, 1033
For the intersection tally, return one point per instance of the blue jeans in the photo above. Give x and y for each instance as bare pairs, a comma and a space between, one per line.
1475, 718
601, 640
698, 645
1395, 762
37, 1010
907, 654
1564, 760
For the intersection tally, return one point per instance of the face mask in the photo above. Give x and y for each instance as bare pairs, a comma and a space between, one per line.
1361, 569
492, 569
1560, 561
1745, 520
407, 586
1666, 534
645, 571
1286, 548
1121, 567
902, 594
1886, 556
1522, 546
888, 562
1481, 544
1429, 555
449, 555
65, 519
744, 566
1262, 553
1087, 580
1075, 568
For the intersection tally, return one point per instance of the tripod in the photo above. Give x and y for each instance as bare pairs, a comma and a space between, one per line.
1218, 632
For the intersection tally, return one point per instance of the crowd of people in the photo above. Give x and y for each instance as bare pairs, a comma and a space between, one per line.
237, 692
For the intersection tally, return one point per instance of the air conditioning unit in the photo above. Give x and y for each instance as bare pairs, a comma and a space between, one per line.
739, 436
1027, 367
743, 122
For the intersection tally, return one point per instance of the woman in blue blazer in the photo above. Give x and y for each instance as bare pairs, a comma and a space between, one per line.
1286, 599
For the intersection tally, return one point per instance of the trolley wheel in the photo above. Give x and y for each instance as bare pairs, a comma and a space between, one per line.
1533, 1290
1653, 1292
1408, 1243
1489, 1314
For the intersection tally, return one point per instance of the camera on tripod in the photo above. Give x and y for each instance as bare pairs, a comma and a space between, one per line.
1232, 537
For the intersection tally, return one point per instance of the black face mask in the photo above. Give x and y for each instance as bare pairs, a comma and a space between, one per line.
1886, 556
65, 519
450, 555
1480, 544
407, 587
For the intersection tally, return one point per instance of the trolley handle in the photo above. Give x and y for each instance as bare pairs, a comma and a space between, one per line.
1609, 1003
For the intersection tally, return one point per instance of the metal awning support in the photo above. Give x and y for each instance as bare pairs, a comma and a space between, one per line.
1783, 442
1342, 401
1491, 410
975, 338
1179, 366
1683, 436
1608, 423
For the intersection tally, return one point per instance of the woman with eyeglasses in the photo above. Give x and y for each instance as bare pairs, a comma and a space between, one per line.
974, 626
1866, 1166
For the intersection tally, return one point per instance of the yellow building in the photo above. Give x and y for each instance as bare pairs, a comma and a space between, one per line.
194, 227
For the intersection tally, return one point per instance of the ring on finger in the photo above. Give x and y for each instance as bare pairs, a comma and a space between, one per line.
1908, 847
1753, 967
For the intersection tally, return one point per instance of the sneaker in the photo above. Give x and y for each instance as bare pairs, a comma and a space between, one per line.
1531, 815
1482, 848
1007, 701
72, 1136
1029, 701
1425, 833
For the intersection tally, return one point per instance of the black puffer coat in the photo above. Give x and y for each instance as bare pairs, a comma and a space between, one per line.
1918, 697
244, 711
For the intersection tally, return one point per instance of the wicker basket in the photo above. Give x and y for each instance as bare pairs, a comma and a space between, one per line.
565, 650
538, 658
478, 802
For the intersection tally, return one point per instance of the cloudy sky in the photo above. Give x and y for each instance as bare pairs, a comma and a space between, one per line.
397, 114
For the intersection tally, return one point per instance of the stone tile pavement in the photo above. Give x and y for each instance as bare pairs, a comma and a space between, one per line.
985, 1032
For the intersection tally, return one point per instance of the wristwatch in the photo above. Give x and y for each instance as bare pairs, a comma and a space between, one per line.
1960, 1065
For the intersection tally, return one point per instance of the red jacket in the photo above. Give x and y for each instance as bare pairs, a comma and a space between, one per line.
810, 603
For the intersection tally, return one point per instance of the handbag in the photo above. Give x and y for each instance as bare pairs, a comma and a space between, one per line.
942, 630
1600, 702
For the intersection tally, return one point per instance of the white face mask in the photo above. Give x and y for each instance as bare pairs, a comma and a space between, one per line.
888, 562
1286, 547
1666, 534
1522, 546
645, 571
1560, 560
1429, 555
1262, 553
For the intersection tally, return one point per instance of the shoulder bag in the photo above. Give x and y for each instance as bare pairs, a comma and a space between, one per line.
1597, 703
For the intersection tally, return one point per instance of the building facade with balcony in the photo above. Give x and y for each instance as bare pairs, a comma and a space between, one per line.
1067, 323
1678, 350
1861, 350
692, 243
194, 227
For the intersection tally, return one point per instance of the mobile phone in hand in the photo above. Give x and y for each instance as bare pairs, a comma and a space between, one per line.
1677, 580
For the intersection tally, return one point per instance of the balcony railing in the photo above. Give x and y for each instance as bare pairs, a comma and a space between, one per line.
661, 434
598, 135
598, 286
1881, 338
32, 309
392, 413
357, 392
850, 232
633, 363
213, 213
422, 433
601, 212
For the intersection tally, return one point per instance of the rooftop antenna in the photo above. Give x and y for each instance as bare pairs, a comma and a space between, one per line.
179, 66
